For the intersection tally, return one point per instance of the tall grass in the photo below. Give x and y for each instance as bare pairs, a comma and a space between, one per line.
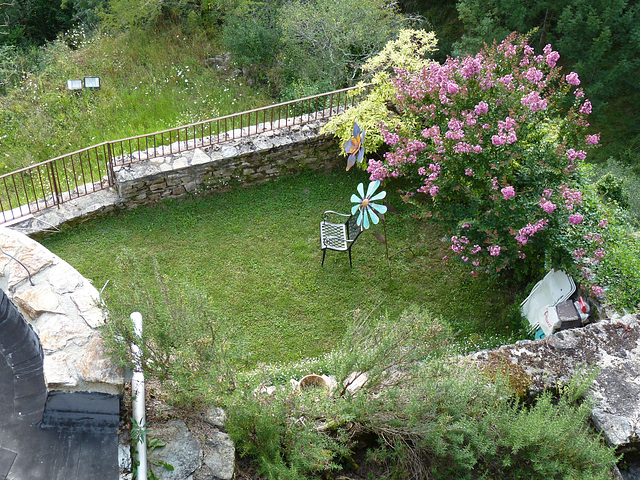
148, 83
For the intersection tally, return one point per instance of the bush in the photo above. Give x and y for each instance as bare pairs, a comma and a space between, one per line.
620, 271
309, 47
186, 344
449, 419
492, 148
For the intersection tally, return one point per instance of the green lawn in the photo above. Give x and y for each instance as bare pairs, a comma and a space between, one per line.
254, 253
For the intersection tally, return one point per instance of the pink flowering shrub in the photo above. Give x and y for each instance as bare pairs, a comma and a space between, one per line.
495, 156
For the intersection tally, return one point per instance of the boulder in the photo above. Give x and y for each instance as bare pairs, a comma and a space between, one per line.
612, 347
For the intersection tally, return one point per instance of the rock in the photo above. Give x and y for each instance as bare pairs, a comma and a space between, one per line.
216, 417
612, 346
220, 456
182, 451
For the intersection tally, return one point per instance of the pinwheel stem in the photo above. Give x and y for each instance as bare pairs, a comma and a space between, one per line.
386, 243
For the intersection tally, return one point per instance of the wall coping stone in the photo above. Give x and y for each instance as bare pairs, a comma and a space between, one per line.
64, 310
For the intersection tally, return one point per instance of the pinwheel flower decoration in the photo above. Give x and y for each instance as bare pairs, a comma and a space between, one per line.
366, 206
354, 147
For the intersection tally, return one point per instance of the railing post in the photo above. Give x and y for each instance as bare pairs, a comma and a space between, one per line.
54, 184
111, 175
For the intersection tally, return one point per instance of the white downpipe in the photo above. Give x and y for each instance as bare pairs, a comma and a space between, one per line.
137, 385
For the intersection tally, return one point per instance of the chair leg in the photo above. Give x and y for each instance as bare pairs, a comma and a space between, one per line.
324, 252
350, 264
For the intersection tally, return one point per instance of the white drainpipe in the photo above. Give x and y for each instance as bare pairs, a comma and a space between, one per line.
137, 385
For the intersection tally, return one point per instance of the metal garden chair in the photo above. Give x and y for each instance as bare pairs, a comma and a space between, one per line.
338, 236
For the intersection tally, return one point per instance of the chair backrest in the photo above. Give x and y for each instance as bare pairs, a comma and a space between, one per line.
353, 229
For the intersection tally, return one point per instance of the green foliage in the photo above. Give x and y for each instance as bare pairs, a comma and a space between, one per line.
595, 37
252, 35
328, 41
376, 346
8, 74
620, 182
411, 51
148, 14
186, 343
148, 83
620, 270
31, 23
612, 188
303, 48
448, 421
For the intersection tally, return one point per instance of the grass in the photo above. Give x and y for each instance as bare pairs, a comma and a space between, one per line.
254, 253
148, 83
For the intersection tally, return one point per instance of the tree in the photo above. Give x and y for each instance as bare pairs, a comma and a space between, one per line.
491, 147
326, 42
33, 22
598, 38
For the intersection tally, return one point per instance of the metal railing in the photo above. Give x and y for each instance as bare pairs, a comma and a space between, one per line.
53, 182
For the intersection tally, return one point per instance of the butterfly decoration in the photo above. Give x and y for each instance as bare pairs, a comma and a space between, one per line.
365, 205
354, 147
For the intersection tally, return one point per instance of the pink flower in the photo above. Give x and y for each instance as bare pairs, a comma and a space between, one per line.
593, 139
534, 101
529, 230
579, 253
481, 108
434, 190
534, 75
508, 192
494, 250
548, 206
597, 291
498, 140
603, 223
471, 67
573, 79
599, 254
468, 172
585, 109
552, 58
572, 154
575, 219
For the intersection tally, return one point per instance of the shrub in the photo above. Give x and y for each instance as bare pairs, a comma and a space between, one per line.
329, 40
449, 420
186, 344
620, 271
493, 148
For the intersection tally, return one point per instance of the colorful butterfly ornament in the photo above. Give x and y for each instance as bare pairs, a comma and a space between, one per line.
354, 147
366, 206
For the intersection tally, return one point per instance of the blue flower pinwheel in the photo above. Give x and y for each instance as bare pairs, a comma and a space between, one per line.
354, 147
366, 206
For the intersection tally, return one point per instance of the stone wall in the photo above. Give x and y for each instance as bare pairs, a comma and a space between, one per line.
246, 161
202, 169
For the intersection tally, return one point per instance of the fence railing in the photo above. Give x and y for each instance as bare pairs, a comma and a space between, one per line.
53, 182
